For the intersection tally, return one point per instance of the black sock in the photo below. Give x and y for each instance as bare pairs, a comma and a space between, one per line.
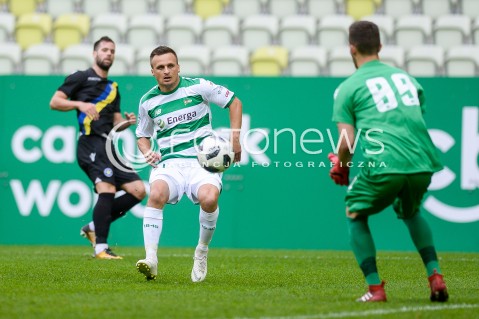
102, 216
122, 204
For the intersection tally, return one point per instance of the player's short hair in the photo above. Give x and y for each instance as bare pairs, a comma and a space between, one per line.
163, 49
364, 35
102, 39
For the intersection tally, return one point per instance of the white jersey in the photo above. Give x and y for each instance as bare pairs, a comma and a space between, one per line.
181, 119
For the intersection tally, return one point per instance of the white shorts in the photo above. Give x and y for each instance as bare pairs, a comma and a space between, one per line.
184, 176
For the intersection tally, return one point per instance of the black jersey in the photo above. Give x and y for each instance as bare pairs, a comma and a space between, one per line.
87, 86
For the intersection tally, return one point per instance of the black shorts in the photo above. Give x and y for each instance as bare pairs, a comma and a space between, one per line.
93, 160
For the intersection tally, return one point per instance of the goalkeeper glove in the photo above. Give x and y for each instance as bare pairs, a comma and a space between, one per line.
338, 173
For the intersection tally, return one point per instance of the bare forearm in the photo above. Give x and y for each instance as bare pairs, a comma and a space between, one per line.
236, 113
64, 105
144, 145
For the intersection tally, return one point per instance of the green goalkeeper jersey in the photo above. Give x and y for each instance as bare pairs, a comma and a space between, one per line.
386, 107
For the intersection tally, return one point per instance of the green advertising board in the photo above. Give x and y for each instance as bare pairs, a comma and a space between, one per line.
279, 196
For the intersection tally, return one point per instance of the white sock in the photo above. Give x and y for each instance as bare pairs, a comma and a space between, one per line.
91, 225
100, 247
152, 226
207, 229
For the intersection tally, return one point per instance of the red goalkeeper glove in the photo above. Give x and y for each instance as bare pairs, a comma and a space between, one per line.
338, 173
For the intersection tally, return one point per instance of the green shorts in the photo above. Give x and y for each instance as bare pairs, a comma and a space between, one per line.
369, 195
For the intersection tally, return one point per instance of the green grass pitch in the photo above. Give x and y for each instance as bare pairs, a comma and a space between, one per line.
65, 282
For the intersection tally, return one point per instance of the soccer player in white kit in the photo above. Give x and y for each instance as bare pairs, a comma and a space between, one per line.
176, 112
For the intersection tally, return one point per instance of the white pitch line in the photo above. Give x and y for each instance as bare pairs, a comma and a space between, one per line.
377, 312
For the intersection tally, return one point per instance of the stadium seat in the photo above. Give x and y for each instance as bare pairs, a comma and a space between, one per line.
70, 29
452, 30
96, 7
134, 7
413, 30
183, 29
333, 31
360, 8
269, 61
229, 61
208, 8
425, 60
169, 8
124, 59
462, 61
76, 57
32, 28
109, 24
259, 30
385, 24
436, 8
21, 7
398, 8
393, 55
10, 57
321, 8
145, 30
475, 31
41, 59
56, 8
142, 61
7, 25
470, 8
246, 8
283, 8
220, 31
296, 31
307, 61
194, 60
340, 62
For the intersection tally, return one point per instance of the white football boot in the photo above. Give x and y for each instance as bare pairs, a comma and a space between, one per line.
200, 268
148, 267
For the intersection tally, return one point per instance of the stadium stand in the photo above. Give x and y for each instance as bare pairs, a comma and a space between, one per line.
360, 8
10, 58
259, 30
221, 30
132, 8
7, 25
386, 26
333, 31
393, 55
322, 8
124, 59
70, 29
76, 57
398, 8
246, 8
32, 28
307, 61
172, 7
296, 31
230, 61
283, 8
475, 31
339, 62
269, 61
452, 30
145, 30
184, 29
20, 7
57, 8
425, 60
470, 8
96, 7
142, 61
41, 59
194, 60
462, 61
436, 8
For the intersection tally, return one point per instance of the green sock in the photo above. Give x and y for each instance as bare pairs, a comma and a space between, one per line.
422, 237
363, 248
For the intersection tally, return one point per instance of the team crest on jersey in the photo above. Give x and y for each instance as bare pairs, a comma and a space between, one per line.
108, 172
157, 112
187, 101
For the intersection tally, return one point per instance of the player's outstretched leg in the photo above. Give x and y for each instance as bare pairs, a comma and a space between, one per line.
374, 293
152, 227
88, 233
200, 260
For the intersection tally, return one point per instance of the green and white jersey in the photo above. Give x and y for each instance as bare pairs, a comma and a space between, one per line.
180, 119
386, 106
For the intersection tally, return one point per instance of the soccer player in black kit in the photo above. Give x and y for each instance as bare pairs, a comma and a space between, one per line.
96, 100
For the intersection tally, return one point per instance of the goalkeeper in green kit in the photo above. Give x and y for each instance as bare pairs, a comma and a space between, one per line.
384, 106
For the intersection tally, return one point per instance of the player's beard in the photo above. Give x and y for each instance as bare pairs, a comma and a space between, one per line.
102, 65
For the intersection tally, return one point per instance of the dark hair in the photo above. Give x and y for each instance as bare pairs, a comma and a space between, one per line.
163, 49
102, 39
364, 35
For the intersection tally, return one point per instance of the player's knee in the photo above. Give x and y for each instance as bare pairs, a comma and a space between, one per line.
157, 198
139, 191
208, 199
351, 215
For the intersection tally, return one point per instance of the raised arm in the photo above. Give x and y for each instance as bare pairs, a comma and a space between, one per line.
236, 114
